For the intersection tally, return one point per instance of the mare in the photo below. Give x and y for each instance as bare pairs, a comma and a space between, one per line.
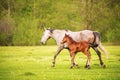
92, 37
74, 47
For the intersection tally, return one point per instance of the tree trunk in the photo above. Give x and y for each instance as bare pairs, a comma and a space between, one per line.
86, 17
88, 13
34, 9
8, 9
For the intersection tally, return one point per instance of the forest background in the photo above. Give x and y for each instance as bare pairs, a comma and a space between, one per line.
22, 21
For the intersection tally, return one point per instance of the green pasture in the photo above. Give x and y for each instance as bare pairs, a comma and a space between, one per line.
34, 63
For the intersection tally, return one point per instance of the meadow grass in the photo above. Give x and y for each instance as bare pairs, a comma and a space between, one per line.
34, 63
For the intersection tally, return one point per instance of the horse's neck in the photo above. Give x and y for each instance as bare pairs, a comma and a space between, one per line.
58, 35
74, 35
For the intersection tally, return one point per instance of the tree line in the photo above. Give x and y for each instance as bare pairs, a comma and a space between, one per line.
22, 21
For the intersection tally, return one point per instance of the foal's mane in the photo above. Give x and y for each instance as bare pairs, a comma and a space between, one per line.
71, 40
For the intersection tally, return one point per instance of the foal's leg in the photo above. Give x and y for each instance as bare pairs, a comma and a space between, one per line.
87, 53
99, 55
56, 54
88, 64
72, 60
71, 57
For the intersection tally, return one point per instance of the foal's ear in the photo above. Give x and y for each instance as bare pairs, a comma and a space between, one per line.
65, 34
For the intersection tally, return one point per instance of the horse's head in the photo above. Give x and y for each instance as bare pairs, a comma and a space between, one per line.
46, 35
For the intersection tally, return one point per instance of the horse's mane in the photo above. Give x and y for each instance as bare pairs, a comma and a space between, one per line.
51, 30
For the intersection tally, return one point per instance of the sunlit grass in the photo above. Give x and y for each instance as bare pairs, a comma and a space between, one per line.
34, 63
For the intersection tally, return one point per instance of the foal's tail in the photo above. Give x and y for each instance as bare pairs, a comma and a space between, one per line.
97, 43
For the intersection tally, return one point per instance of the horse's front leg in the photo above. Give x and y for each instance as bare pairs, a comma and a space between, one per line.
56, 54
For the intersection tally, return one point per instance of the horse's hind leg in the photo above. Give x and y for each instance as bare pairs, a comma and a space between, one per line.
99, 55
56, 54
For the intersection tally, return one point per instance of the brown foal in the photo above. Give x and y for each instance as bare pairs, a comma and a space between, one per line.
75, 47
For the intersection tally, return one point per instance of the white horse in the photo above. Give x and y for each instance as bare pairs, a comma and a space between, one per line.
92, 37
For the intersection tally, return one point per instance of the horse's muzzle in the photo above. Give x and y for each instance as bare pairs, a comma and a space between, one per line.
42, 43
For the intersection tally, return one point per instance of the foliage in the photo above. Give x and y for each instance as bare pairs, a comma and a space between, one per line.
25, 19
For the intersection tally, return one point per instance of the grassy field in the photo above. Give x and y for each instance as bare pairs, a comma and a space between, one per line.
34, 63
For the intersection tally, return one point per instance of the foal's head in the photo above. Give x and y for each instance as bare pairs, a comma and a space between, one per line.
67, 39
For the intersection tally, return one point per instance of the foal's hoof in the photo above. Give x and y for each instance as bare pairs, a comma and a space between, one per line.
77, 66
87, 66
104, 66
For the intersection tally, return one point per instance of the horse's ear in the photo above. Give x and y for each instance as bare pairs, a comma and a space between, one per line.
49, 28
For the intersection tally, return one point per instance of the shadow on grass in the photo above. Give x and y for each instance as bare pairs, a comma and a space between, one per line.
96, 64
29, 74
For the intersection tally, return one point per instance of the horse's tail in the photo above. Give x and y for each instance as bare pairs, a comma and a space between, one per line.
96, 38
103, 49
97, 42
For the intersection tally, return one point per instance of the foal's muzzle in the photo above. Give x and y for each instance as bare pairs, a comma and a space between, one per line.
62, 42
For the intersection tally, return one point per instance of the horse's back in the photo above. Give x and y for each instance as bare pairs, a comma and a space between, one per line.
86, 35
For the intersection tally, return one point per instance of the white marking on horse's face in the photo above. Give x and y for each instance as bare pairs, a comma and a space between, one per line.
45, 36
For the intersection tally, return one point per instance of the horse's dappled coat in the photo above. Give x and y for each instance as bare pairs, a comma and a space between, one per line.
92, 37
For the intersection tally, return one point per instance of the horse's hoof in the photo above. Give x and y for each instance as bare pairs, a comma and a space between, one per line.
76, 65
104, 66
53, 66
